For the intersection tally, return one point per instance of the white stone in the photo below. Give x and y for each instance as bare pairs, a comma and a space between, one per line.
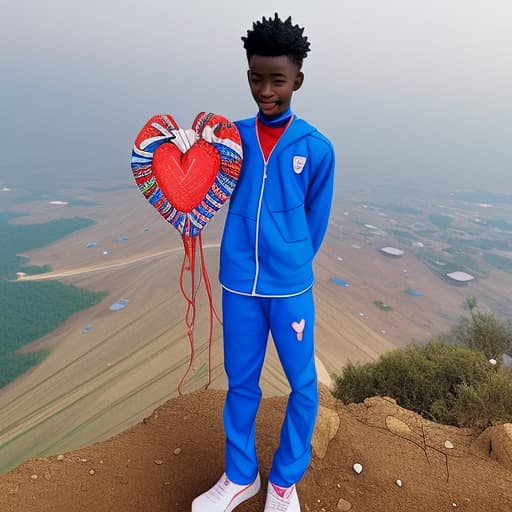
448, 444
357, 468
399, 483
493, 361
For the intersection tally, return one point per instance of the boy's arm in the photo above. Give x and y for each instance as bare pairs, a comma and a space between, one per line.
319, 199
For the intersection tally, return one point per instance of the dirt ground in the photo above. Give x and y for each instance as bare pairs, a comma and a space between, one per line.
164, 461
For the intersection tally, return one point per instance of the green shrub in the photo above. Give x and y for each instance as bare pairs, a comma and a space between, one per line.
451, 384
487, 403
356, 383
484, 333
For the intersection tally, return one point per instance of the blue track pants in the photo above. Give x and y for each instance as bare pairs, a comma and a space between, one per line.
247, 322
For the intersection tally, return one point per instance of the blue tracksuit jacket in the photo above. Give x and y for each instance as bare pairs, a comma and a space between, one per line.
278, 212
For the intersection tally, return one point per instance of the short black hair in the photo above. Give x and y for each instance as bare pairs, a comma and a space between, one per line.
273, 37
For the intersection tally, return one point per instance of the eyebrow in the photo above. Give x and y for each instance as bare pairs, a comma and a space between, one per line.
277, 74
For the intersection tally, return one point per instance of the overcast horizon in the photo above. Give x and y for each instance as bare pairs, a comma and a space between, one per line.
408, 91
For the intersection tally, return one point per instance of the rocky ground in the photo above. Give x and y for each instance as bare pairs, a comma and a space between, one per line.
406, 463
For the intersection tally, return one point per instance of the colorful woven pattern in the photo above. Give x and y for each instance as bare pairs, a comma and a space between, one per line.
187, 189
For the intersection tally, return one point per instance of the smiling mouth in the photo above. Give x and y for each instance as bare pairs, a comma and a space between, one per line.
268, 105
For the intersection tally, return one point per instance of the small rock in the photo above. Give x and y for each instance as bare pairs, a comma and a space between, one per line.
493, 361
167, 483
92, 472
34, 477
357, 468
448, 444
177, 451
343, 505
158, 462
101, 462
60, 457
338, 486
399, 483
454, 505
83, 460
397, 426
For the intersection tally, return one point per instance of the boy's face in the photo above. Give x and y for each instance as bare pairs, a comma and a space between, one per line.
272, 81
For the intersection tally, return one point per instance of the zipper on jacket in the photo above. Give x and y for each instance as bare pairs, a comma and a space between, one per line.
260, 201
258, 212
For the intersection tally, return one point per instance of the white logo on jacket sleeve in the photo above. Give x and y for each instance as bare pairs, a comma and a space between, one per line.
298, 164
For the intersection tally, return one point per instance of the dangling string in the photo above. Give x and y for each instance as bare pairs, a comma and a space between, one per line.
189, 264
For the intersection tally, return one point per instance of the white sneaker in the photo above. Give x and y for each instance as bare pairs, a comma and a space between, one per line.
225, 495
282, 499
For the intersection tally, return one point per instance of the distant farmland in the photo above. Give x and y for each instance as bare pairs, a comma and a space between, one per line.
30, 310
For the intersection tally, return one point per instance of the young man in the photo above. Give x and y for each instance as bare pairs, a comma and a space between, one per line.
276, 221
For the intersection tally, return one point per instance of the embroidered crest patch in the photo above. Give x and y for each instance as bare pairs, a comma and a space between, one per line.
298, 164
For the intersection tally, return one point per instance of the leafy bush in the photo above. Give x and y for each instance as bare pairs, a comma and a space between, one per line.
487, 403
450, 379
450, 384
484, 333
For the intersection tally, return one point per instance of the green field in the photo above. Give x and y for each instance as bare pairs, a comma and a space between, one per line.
441, 221
20, 238
500, 262
30, 310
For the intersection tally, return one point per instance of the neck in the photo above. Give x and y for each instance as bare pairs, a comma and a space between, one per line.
280, 120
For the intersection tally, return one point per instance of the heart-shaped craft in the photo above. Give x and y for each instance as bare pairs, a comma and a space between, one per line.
187, 188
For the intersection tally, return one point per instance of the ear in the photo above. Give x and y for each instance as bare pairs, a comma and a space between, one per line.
299, 80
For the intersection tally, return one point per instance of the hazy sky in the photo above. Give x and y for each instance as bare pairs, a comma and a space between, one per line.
410, 90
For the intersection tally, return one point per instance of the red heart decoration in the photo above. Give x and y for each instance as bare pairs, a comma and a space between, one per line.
185, 178
187, 189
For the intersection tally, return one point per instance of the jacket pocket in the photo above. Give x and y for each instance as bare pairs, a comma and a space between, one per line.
291, 223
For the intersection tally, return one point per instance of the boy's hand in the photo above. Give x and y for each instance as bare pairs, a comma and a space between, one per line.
183, 139
209, 136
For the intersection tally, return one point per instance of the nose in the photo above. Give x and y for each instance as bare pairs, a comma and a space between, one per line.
265, 90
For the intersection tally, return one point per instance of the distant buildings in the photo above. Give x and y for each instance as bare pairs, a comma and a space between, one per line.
392, 252
459, 278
